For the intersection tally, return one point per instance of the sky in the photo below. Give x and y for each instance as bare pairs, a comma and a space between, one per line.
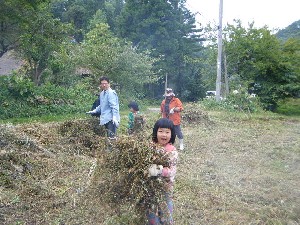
276, 14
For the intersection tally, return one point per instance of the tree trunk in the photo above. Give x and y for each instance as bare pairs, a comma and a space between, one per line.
37, 71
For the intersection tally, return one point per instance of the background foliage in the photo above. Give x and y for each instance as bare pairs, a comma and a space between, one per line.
21, 98
141, 45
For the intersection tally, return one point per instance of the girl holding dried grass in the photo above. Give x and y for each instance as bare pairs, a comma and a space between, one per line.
164, 170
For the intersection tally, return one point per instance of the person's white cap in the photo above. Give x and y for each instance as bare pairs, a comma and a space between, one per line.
169, 92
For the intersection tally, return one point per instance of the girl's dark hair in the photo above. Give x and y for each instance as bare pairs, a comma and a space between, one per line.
134, 105
164, 123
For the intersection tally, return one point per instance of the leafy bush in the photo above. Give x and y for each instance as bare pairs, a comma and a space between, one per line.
240, 101
289, 106
243, 101
21, 98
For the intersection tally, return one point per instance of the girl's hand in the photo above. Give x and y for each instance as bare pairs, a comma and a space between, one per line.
155, 170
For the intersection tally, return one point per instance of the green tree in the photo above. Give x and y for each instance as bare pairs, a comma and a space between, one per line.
13, 13
112, 10
255, 60
166, 28
105, 54
41, 37
61, 66
81, 12
77, 12
291, 60
8, 27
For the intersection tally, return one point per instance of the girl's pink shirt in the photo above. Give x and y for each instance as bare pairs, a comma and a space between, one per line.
170, 172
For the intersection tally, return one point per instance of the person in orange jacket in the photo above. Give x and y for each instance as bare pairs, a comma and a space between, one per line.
170, 108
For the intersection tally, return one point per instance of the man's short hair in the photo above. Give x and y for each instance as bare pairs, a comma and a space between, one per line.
104, 78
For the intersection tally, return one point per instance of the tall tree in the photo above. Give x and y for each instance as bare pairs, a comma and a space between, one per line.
13, 13
105, 54
80, 12
166, 28
77, 12
41, 37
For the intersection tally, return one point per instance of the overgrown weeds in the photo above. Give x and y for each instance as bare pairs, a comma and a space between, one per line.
236, 169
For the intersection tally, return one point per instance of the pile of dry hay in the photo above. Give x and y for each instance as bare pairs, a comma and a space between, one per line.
52, 166
56, 167
193, 114
126, 169
22, 145
47, 167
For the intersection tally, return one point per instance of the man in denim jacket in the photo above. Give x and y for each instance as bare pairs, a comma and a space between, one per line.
109, 108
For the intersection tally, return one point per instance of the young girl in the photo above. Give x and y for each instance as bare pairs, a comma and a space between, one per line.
164, 137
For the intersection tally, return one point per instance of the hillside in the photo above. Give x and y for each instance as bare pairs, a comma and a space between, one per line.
236, 169
292, 31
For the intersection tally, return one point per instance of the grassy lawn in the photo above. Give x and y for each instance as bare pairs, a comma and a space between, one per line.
240, 170
236, 168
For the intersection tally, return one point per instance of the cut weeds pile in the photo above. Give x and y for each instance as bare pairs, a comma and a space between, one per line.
235, 169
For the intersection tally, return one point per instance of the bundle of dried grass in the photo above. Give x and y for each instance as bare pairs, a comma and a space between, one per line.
192, 114
76, 128
86, 135
127, 174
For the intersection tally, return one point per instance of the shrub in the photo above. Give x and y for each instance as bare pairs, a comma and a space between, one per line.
240, 101
289, 107
21, 98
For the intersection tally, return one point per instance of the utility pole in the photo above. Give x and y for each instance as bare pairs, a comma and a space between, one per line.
219, 61
166, 82
166, 85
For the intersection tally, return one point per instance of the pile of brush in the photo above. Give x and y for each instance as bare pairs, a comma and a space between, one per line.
126, 168
84, 136
193, 114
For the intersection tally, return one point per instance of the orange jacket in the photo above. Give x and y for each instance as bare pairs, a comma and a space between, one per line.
175, 117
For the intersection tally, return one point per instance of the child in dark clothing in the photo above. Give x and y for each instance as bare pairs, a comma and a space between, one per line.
135, 119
